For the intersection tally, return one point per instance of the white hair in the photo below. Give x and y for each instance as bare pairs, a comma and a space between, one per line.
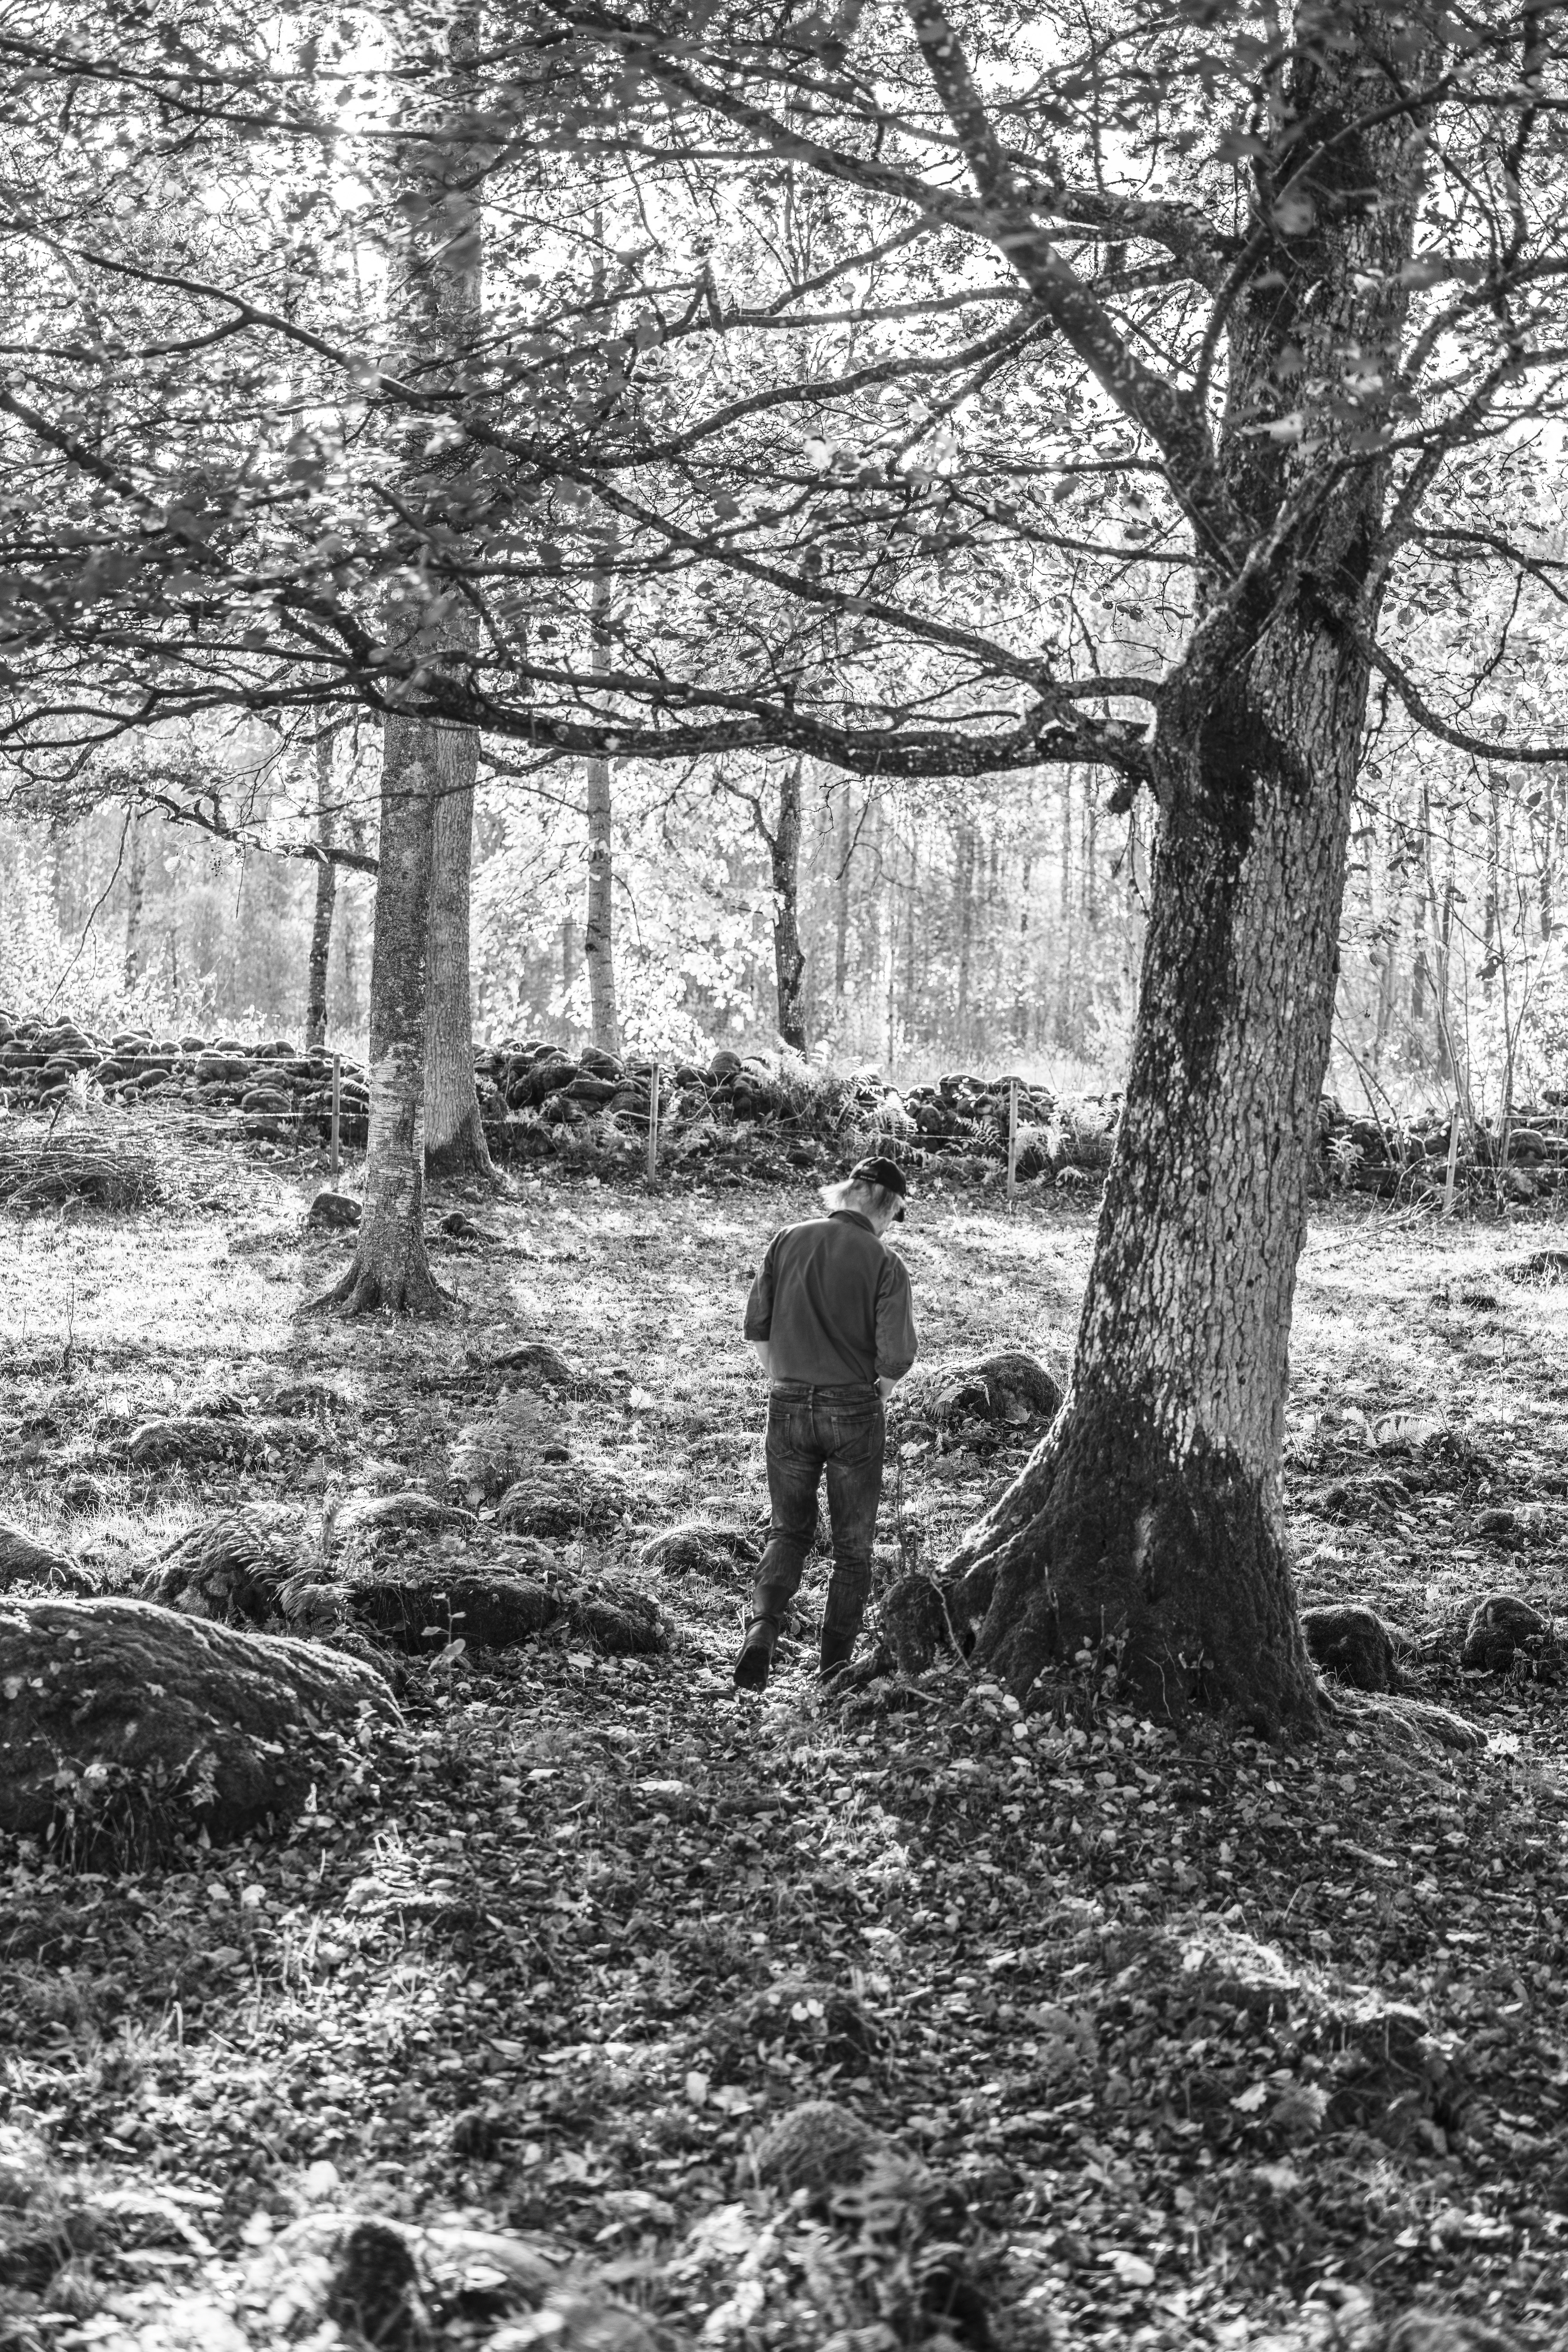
854, 1193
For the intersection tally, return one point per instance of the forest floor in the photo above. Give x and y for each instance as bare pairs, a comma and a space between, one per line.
1198, 2043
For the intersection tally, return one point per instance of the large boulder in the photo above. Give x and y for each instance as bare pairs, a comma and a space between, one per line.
536, 1361
702, 1548
190, 1439
421, 1613
1007, 1387
121, 1712
368, 1524
499, 1608
1352, 1643
333, 1213
26, 1559
233, 1570
557, 1501
1502, 1628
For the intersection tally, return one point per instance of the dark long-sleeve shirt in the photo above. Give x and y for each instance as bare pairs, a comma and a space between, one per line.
835, 1305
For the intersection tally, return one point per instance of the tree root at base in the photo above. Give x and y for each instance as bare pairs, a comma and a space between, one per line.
465, 1160
924, 1618
363, 1291
1413, 1725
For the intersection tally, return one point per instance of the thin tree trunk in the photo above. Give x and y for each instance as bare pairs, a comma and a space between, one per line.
1492, 931
1443, 918
880, 917
391, 1269
789, 957
913, 930
454, 1144
841, 904
1419, 976
326, 899
963, 924
598, 929
434, 308
1021, 992
1066, 991
135, 898
1090, 854
889, 971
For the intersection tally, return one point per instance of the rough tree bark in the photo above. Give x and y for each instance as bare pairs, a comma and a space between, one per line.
1146, 1532
326, 899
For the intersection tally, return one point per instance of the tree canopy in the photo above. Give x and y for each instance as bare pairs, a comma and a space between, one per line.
907, 369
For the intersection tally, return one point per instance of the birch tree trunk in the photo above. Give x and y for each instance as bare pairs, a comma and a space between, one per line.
454, 1144
599, 927
391, 1269
434, 303
789, 956
135, 897
841, 904
320, 963
963, 926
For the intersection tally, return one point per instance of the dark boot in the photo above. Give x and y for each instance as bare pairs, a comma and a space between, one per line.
756, 1655
837, 1649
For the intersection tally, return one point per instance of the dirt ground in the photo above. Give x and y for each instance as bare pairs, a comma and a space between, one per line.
1189, 2042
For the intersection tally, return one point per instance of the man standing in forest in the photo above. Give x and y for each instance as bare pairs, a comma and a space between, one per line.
830, 1318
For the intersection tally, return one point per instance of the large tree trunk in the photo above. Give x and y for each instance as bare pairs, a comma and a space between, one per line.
391, 1269
789, 956
1145, 1536
326, 899
1147, 1530
454, 1144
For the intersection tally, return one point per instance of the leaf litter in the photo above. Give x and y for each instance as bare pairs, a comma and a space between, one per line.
1132, 2038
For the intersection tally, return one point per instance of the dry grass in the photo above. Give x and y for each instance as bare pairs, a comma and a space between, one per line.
45, 1163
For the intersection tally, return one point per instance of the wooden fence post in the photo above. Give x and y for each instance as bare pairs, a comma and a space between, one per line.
337, 1102
653, 1122
1012, 1141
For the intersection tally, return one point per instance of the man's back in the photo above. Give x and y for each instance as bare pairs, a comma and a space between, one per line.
833, 1305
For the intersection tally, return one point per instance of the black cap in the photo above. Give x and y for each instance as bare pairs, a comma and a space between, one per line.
885, 1172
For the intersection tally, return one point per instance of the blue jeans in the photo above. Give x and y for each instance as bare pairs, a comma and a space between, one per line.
810, 1430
